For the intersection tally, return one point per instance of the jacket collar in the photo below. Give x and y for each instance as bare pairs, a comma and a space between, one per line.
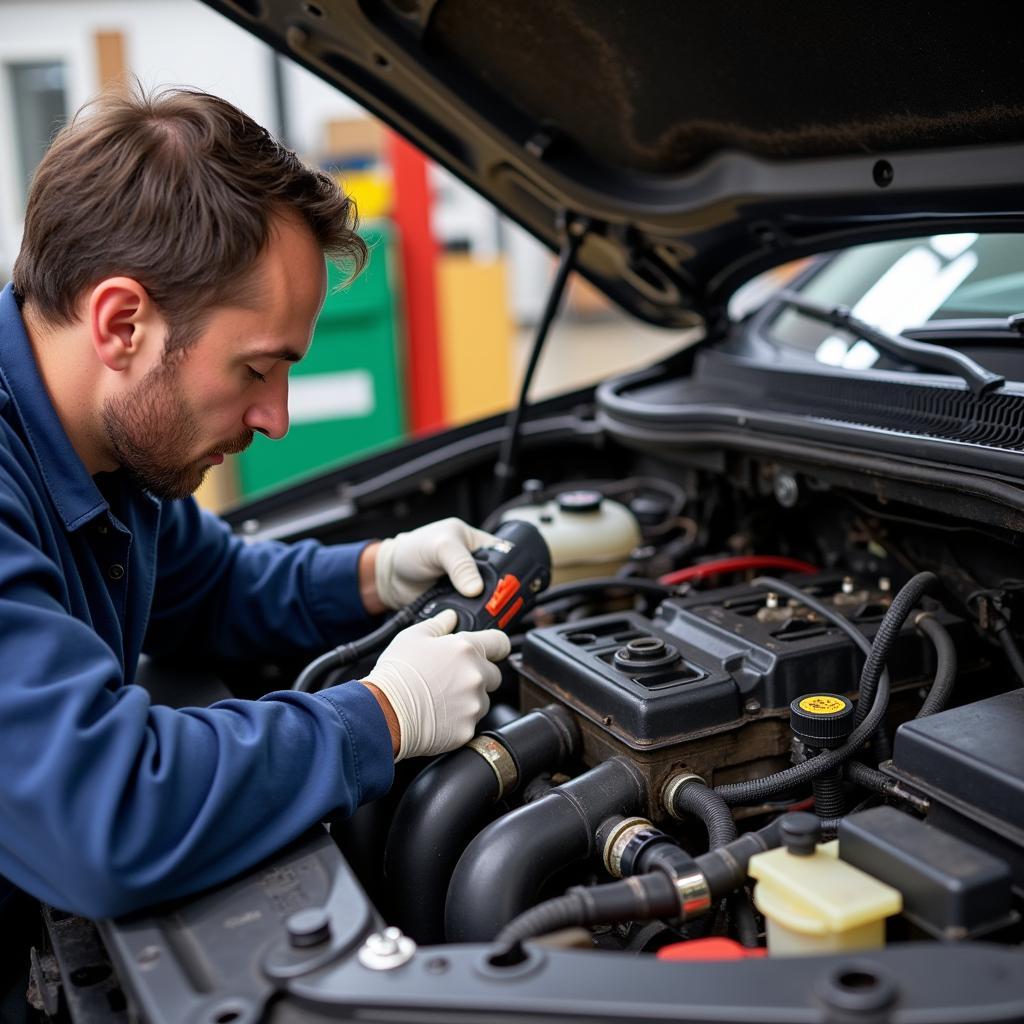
73, 491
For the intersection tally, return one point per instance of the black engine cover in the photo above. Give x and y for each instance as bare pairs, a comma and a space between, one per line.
709, 660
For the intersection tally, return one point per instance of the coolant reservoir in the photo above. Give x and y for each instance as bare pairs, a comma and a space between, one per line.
819, 904
588, 534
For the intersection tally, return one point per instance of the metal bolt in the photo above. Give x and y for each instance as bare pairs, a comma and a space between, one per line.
383, 951
535, 584
771, 600
752, 707
848, 585
148, 956
786, 489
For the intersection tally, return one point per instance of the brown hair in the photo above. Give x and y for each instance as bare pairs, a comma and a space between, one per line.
176, 189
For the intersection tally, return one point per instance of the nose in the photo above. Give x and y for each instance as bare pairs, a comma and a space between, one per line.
269, 415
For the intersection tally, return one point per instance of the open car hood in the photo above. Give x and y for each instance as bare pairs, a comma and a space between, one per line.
697, 143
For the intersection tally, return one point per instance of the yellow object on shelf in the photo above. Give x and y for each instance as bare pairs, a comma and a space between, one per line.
820, 904
476, 337
372, 191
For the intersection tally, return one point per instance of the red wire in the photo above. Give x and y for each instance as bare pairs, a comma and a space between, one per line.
743, 563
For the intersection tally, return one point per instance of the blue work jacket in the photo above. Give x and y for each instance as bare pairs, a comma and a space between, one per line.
107, 801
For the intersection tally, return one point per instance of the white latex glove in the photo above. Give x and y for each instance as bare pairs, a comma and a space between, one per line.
408, 564
437, 682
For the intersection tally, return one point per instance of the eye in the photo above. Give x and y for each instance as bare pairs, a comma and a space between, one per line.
255, 374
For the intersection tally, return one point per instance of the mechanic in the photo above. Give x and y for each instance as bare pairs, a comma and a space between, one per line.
172, 268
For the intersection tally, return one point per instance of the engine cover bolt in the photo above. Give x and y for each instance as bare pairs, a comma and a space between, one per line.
645, 654
383, 951
308, 927
786, 489
647, 648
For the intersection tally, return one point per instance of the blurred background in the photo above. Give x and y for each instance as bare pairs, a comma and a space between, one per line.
433, 334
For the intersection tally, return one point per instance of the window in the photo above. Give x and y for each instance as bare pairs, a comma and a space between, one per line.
39, 99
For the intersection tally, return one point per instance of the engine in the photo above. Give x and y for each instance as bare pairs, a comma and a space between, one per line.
741, 722
737, 751
707, 680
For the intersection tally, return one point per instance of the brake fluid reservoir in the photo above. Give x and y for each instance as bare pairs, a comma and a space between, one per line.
587, 534
819, 904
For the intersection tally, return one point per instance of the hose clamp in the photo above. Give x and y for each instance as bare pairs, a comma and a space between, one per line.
501, 761
694, 895
672, 786
618, 839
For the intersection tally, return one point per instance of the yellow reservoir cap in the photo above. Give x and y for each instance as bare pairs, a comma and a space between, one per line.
823, 704
820, 904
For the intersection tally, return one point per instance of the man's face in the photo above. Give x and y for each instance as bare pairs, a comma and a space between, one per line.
198, 404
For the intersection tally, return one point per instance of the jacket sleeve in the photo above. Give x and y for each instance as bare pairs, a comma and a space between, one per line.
108, 804
235, 599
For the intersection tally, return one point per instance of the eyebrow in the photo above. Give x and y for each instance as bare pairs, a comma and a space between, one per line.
289, 355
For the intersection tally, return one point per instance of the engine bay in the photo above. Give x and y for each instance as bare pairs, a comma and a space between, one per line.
743, 723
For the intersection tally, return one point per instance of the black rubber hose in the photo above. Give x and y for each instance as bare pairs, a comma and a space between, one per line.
873, 780
744, 918
867, 778
498, 716
1001, 628
694, 797
829, 801
348, 654
309, 679
640, 898
889, 628
449, 802
873, 677
652, 893
945, 665
603, 584
725, 868
504, 867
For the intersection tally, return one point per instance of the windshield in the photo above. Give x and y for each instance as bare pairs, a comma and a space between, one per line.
904, 284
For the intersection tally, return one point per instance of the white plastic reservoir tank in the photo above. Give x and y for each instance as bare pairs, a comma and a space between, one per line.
588, 534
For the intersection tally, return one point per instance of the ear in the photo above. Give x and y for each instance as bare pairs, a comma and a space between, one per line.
123, 321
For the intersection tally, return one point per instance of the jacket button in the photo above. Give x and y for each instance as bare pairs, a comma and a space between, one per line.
115, 572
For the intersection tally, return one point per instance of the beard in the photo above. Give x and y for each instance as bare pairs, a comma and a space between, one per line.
151, 426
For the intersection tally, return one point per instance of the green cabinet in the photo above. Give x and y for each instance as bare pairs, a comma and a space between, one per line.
346, 397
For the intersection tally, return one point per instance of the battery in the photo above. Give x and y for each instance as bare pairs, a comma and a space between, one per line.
950, 889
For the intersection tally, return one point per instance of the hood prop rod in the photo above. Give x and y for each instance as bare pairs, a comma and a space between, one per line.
919, 353
575, 228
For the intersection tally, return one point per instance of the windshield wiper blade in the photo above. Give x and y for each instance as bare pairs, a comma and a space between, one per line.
919, 353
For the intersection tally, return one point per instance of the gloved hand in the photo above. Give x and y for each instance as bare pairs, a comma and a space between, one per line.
437, 682
408, 564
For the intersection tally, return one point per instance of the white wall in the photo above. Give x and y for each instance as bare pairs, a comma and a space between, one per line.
172, 42
184, 42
